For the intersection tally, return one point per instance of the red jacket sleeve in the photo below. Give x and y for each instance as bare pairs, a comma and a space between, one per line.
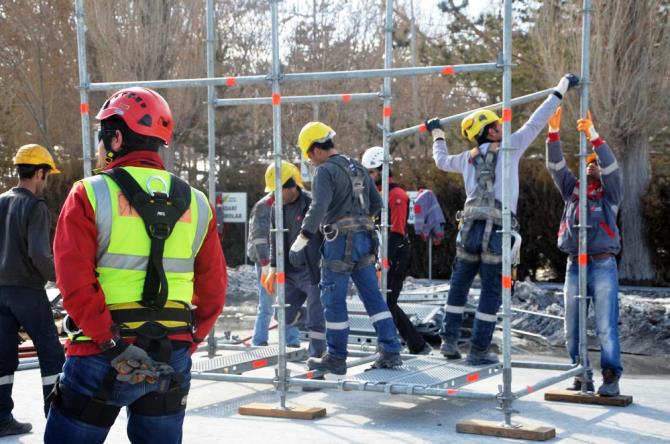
74, 256
211, 280
398, 205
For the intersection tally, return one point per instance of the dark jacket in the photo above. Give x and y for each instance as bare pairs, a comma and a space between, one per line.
603, 233
25, 249
294, 213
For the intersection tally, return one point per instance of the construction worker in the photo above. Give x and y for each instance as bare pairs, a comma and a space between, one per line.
604, 194
301, 282
258, 250
399, 249
479, 241
344, 200
26, 264
143, 279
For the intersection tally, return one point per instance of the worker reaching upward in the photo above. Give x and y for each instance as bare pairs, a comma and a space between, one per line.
344, 199
479, 240
143, 278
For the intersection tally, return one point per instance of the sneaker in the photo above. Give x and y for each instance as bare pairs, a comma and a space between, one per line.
481, 357
426, 350
387, 360
610, 385
297, 345
449, 349
328, 364
313, 389
577, 385
12, 427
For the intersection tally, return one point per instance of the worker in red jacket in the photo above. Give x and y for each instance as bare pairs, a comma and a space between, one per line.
143, 278
399, 250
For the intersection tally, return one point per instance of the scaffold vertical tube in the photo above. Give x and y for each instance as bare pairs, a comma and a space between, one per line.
507, 396
386, 115
282, 374
84, 106
583, 223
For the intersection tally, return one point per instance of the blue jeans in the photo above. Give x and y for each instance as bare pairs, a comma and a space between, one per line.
334, 287
602, 285
466, 266
264, 316
84, 374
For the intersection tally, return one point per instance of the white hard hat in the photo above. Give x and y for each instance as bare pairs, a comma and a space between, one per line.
373, 157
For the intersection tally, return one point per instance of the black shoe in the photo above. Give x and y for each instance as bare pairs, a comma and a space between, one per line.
577, 385
426, 350
610, 385
293, 345
387, 360
328, 364
13, 427
481, 357
313, 389
449, 349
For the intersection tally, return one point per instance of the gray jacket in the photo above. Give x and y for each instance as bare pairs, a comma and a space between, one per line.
25, 247
603, 233
258, 247
519, 142
333, 197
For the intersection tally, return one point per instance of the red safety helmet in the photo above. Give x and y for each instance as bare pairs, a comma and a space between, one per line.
145, 112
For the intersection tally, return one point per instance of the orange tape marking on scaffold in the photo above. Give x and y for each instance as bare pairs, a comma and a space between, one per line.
447, 70
507, 114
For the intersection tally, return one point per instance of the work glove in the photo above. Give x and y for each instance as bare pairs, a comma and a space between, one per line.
585, 126
555, 121
296, 254
268, 281
567, 81
434, 127
134, 366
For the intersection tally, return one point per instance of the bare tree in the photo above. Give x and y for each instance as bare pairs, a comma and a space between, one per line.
630, 94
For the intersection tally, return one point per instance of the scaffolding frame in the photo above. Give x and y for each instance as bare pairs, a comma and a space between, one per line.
282, 379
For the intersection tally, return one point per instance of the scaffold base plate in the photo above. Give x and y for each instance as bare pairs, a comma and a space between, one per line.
577, 398
493, 428
274, 411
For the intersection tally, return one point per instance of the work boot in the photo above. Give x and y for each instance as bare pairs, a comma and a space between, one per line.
328, 364
313, 389
481, 357
577, 385
449, 349
610, 385
426, 350
12, 427
387, 360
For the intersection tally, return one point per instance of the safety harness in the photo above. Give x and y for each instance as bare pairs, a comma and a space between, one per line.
357, 219
484, 206
151, 320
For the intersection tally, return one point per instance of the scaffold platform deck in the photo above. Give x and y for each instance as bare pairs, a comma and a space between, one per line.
240, 362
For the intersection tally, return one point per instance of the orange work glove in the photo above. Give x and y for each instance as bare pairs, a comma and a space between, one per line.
268, 281
585, 126
555, 121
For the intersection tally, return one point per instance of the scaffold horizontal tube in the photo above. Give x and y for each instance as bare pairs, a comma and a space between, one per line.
547, 382
345, 98
543, 365
458, 117
179, 83
389, 72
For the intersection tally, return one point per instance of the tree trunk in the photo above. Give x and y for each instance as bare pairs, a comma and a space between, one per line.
636, 259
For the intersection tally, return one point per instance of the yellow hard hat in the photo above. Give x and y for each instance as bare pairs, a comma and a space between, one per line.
313, 132
288, 171
33, 154
474, 123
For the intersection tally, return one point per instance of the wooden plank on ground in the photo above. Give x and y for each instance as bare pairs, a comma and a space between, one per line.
576, 397
272, 410
493, 428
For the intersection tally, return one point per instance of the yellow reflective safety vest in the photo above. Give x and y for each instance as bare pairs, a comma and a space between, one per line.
123, 250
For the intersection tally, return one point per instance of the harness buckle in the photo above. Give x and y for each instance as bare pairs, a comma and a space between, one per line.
160, 230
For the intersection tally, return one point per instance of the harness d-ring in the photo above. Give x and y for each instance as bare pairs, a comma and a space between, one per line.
151, 191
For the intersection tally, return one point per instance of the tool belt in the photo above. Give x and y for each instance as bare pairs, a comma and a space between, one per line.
349, 226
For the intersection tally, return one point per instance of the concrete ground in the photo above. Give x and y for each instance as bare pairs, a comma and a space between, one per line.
356, 417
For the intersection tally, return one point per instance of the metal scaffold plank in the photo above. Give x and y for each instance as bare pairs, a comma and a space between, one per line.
246, 361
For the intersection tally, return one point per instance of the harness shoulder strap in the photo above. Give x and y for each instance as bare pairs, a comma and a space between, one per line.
160, 213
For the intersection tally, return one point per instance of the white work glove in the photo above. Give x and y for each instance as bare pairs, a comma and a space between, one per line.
296, 255
567, 81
